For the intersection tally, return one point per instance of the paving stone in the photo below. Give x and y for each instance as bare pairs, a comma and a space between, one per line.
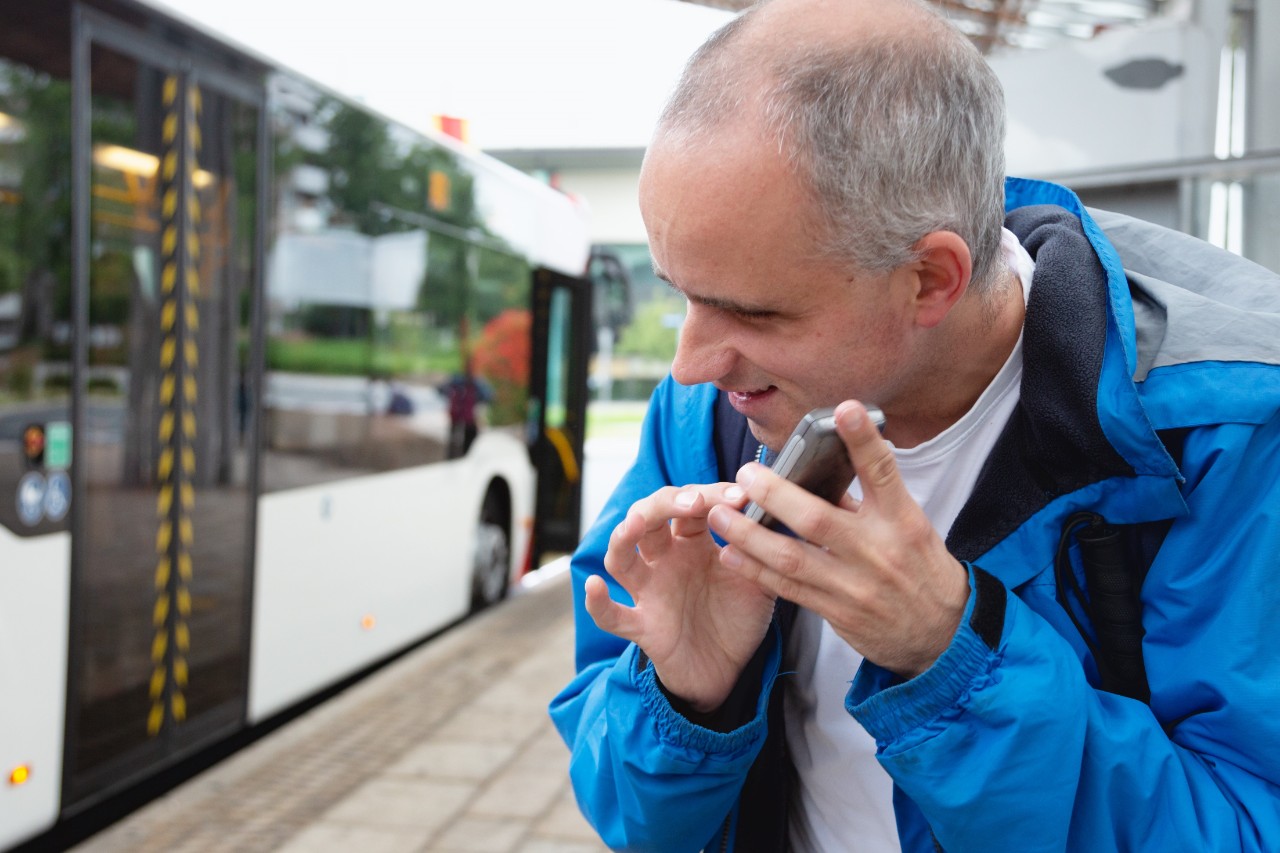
480, 835
563, 821
454, 760
544, 752
344, 838
518, 794
538, 845
490, 724
402, 802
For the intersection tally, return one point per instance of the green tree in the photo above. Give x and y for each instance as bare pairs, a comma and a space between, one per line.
650, 334
372, 177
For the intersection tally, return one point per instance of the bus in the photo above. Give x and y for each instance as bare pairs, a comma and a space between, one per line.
285, 387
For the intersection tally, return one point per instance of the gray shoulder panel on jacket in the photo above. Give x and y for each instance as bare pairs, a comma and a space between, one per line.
1192, 301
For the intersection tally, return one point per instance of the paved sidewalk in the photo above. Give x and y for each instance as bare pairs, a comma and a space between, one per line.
448, 750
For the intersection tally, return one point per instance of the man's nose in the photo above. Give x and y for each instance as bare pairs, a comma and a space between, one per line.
702, 353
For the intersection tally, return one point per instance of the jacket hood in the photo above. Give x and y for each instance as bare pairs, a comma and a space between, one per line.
1202, 313
1080, 427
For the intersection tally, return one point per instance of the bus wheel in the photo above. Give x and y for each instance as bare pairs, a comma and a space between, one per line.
491, 561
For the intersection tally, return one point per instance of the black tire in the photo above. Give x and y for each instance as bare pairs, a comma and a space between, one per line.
491, 557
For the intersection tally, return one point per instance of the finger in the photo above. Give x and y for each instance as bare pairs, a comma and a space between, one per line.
849, 503
609, 615
622, 558
733, 495
670, 502
782, 565
693, 524
649, 519
697, 500
808, 515
872, 457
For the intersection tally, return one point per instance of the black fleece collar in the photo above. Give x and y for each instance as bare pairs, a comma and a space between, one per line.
1053, 443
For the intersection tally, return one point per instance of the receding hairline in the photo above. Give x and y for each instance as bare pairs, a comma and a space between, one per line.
777, 27
760, 43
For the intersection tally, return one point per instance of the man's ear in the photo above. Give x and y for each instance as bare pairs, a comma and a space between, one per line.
943, 272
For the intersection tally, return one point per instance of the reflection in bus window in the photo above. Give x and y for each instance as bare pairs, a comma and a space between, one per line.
166, 504
35, 296
398, 324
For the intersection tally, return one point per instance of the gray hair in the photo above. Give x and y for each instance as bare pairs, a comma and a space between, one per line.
895, 136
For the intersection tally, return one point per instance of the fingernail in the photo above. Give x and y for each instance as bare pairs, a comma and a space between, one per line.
746, 475
730, 558
734, 493
717, 519
684, 500
851, 414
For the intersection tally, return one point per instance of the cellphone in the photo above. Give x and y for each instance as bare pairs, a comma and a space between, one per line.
814, 458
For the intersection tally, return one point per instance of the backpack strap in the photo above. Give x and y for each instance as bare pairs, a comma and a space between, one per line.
1115, 559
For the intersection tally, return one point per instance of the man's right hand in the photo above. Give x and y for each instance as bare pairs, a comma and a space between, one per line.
697, 621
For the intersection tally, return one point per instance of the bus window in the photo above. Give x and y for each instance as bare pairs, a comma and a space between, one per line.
35, 300
392, 313
500, 350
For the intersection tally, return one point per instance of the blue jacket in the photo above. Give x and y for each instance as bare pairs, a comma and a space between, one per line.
1005, 743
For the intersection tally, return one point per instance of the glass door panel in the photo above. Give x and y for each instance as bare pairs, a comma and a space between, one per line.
164, 563
562, 333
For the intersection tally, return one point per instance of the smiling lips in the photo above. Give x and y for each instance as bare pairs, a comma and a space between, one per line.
748, 396
748, 402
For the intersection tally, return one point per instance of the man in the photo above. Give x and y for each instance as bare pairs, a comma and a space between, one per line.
825, 189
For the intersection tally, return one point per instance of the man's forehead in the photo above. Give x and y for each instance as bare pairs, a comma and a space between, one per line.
733, 159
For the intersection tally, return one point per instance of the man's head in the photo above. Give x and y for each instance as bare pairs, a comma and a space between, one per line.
888, 116
823, 186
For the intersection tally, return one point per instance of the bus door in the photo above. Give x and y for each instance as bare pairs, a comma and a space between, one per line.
166, 148
562, 338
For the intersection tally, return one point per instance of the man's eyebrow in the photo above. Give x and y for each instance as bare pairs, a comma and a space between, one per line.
716, 302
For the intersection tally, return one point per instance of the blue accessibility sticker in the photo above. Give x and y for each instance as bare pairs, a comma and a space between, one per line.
57, 496
30, 498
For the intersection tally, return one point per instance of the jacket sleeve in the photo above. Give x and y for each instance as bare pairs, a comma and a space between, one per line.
645, 776
1003, 743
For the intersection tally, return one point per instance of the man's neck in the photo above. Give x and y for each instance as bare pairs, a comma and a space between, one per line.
966, 353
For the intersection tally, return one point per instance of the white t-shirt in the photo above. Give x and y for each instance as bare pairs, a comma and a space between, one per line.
843, 800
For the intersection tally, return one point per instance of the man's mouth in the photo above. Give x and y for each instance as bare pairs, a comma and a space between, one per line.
743, 400
745, 396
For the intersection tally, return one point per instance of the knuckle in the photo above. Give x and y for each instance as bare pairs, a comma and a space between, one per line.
881, 469
917, 528
665, 496
787, 588
787, 557
816, 522
614, 561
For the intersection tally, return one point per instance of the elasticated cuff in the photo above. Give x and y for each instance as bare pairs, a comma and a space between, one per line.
679, 731
888, 707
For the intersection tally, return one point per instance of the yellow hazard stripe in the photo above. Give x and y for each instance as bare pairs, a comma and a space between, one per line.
564, 449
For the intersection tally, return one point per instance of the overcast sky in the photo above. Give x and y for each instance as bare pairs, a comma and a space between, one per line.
525, 73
